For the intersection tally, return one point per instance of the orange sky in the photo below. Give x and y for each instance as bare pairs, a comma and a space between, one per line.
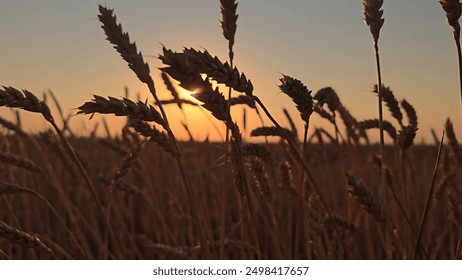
59, 45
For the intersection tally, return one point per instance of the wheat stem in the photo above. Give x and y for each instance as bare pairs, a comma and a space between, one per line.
459, 55
424, 220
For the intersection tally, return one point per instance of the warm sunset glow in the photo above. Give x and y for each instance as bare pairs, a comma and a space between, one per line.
298, 38
305, 130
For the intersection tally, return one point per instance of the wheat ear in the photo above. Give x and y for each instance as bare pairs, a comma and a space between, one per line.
121, 107
364, 197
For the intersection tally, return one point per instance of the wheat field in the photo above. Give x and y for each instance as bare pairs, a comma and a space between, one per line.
285, 192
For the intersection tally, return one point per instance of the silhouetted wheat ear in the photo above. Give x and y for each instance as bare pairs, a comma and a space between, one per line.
124, 47
373, 16
364, 197
410, 113
171, 88
154, 135
221, 72
327, 96
270, 131
181, 69
391, 102
453, 11
406, 136
215, 102
349, 121
244, 100
374, 123
408, 132
323, 113
229, 20
178, 102
25, 100
122, 107
300, 95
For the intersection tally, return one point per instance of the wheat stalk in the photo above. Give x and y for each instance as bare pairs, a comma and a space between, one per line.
130, 54
301, 96
424, 220
373, 18
229, 26
173, 91
453, 11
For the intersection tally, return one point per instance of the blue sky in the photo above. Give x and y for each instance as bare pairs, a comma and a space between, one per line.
59, 45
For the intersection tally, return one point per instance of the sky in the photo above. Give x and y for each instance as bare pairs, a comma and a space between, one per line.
60, 46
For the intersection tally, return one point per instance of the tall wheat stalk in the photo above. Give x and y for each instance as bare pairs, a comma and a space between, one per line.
130, 54
301, 96
453, 11
229, 25
373, 18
